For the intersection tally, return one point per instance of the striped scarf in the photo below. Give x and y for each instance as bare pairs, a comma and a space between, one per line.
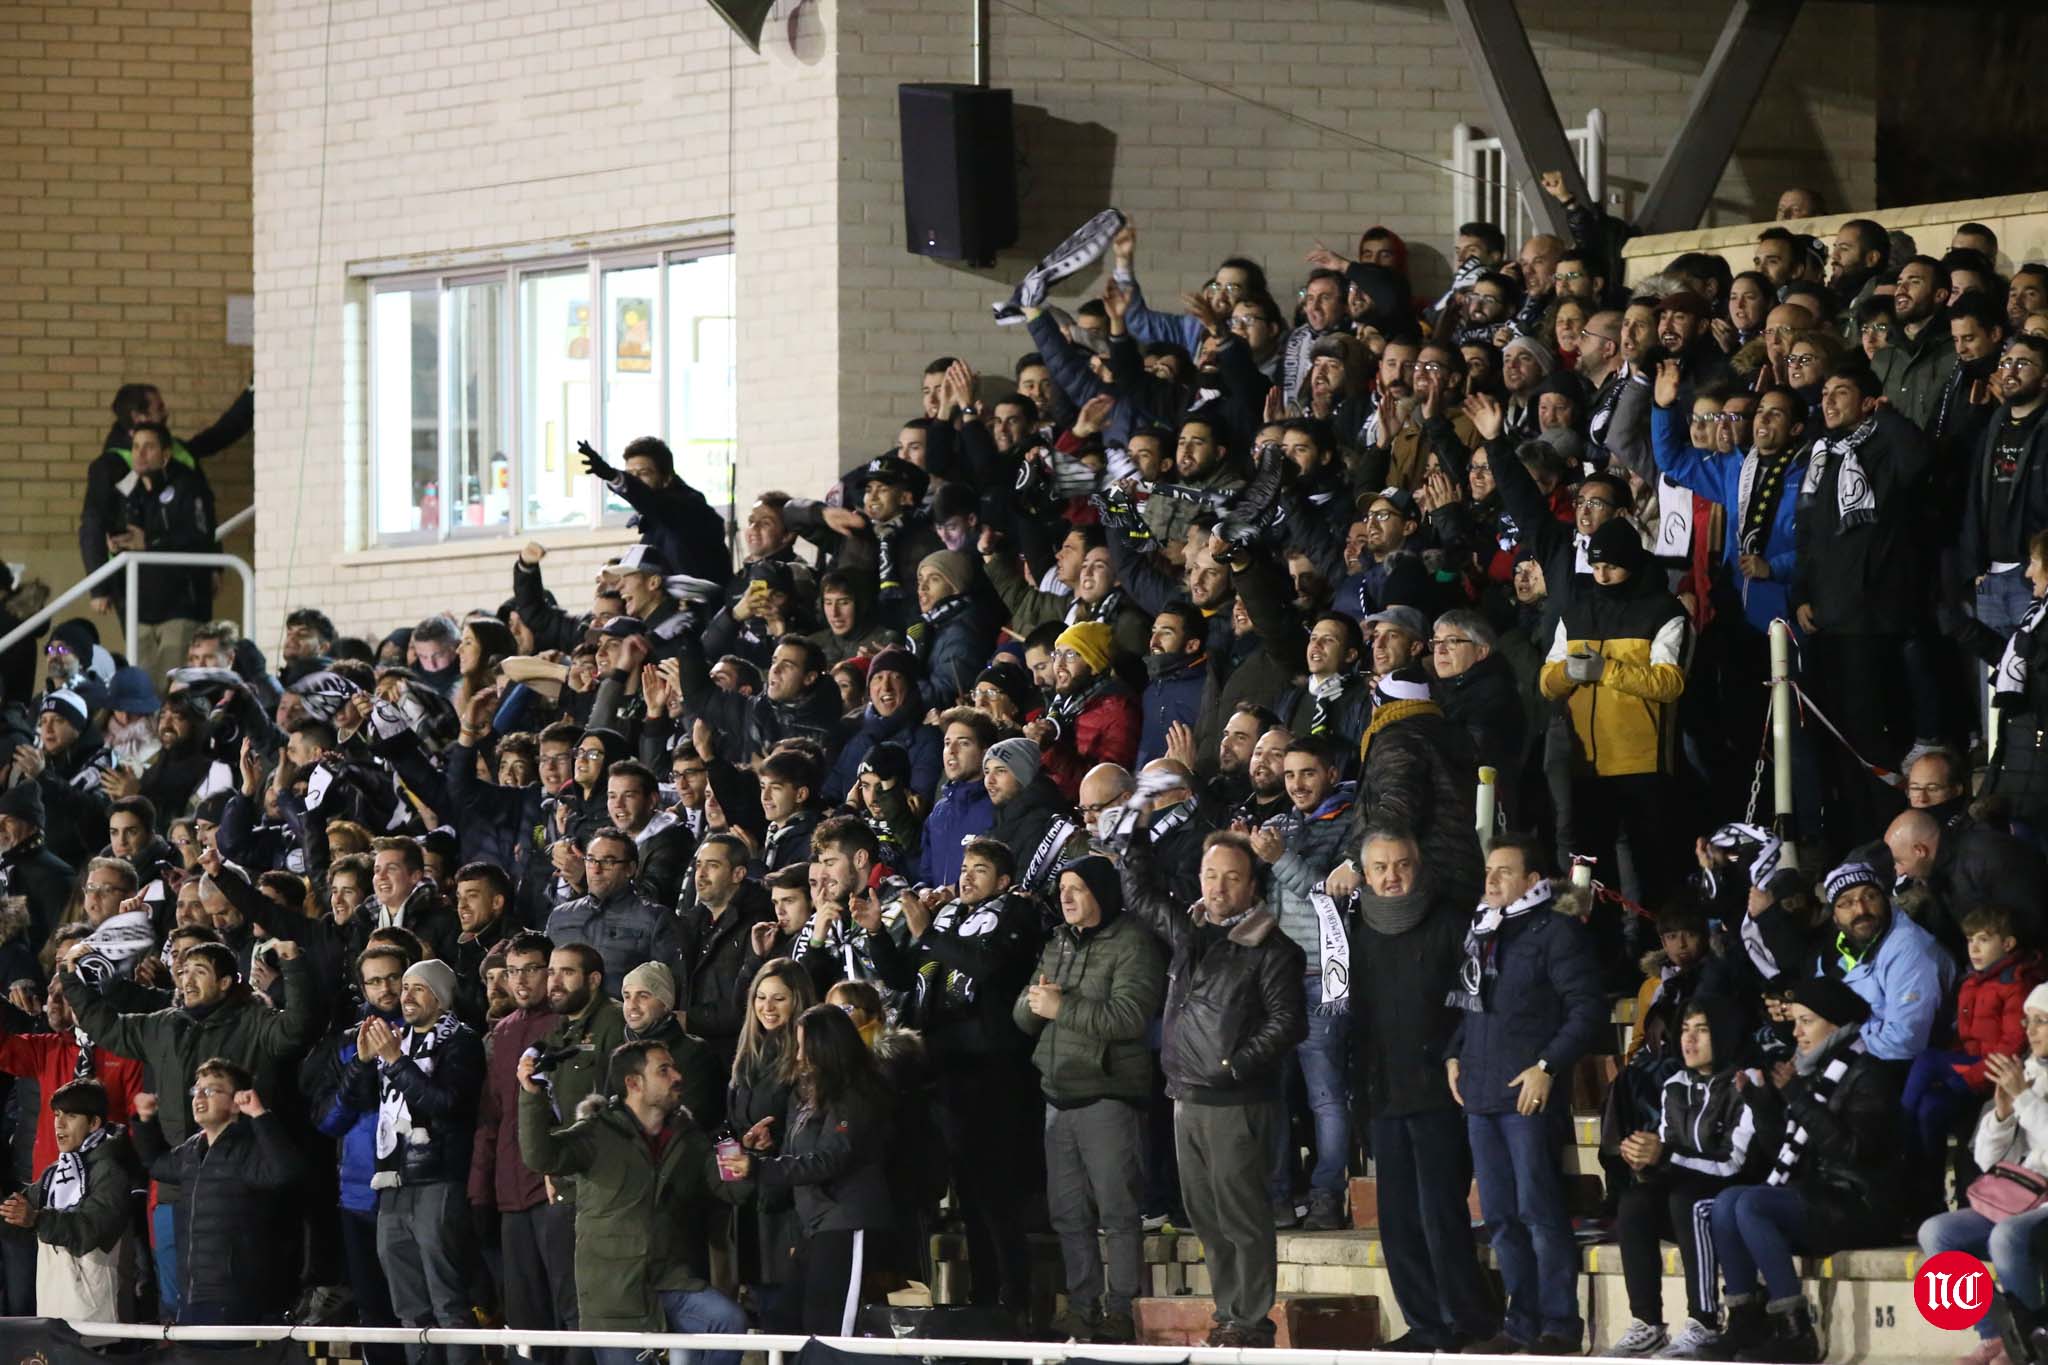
1821, 1088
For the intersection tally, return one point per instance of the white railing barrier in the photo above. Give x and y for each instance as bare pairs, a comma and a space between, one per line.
779, 1350
1488, 805
1781, 734
128, 563
1482, 183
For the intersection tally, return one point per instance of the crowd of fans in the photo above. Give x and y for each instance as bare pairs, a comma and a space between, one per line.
1068, 820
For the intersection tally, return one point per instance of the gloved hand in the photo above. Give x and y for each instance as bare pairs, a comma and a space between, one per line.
1585, 669
594, 463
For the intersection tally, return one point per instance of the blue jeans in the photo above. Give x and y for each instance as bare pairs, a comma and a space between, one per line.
1521, 1192
687, 1310
2018, 1248
163, 1236
1753, 1229
1322, 1057
2002, 599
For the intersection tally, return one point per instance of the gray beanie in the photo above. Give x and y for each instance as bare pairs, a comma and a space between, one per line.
1019, 755
438, 977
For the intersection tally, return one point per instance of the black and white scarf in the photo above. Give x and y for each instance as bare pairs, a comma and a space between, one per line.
1758, 489
924, 631
1104, 610
1335, 945
64, 1184
1474, 991
1327, 695
1082, 248
2009, 679
1046, 856
1855, 503
394, 1116
1821, 1089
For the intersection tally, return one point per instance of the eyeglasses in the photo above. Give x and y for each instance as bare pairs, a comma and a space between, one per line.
1072, 656
1568, 276
1875, 329
595, 755
217, 1092
1597, 504
1430, 367
532, 969
988, 694
2016, 363
1449, 642
102, 889
1381, 516
590, 861
1802, 361
1780, 331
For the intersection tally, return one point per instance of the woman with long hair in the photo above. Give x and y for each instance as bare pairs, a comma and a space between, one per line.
757, 1101
486, 642
833, 1161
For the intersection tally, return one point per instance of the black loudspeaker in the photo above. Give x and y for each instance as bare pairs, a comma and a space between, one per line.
959, 171
746, 18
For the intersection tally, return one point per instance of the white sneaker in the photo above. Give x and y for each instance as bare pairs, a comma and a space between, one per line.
1693, 1342
1641, 1339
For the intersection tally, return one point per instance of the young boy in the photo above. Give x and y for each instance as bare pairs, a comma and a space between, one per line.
1706, 1136
233, 1170
80, 1209
1990, 1020
863, 1004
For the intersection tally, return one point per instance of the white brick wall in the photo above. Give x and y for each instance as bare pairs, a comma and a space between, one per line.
390, 130
470, 123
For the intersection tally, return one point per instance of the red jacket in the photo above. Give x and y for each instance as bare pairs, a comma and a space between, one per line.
1991, 1013
51, 1060
1106, 731
498, 1177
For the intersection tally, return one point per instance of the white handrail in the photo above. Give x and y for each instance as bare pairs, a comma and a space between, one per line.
236, 522
127, 563
777, 1348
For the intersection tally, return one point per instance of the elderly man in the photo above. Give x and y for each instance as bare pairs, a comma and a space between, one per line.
1229, 962
1960, 866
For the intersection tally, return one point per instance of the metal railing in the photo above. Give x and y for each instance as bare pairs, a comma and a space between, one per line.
779, 1350
128, 563
1485, 187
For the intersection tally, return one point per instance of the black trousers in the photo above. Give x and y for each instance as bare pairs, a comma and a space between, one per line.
538, 1248
366, 1278
1857, 681
1423, 1169
829, 1266
1642, 806
1679, 1207
992, 1118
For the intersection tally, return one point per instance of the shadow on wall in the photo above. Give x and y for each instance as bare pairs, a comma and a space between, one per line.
1064, 173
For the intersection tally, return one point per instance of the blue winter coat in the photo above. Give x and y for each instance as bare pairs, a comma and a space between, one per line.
1906, 980
1546, 1003
1174, 697
355, 1129
1718, 478
962, 811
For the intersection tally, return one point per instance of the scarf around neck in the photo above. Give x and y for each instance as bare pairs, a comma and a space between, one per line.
1391, 713
394, 1116
1474, 991
1758, 490
2009, 679
64, 1184
1821, 1088
1855, 503
924, 631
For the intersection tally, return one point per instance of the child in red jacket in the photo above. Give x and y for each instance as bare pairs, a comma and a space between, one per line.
1990, 1018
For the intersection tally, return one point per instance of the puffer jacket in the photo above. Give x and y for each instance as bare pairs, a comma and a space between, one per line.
835, 1164
1626, 722
1991, 1013
639, 1216
962, 811
1316, 842
1104, 730
1852, 1170
1416, 769
1916, 370
905, 729
228, 1248
1174, 695
440, 1089
1235, 1004
2021, 1137
1484, 702
1546, 1003
100, 1219
1112, 979
626, 930
323, 1080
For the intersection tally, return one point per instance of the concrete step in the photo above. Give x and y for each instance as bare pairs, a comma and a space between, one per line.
1584, 1190
1300, 1321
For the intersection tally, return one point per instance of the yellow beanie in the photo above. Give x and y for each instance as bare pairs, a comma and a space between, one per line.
1092, 640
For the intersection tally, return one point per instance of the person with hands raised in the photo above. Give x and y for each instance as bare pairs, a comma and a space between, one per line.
235, 1259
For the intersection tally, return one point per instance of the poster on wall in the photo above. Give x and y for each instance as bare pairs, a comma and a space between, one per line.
633, 336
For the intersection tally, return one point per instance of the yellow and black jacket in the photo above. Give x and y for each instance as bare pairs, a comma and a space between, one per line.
1626, 722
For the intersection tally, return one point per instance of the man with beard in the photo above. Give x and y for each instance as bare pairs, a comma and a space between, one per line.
28, 869
1858, 256
1031, 817
1092, 718
1406, 944
1434, 376
799, 702
1267, 769
1682, 332
1889, 960
1202, 470
180, 765
482, 894
2006, 499
712, 932
68, 763
1916, 367
1856, 589
589, 1026
1383, 530
1400, 639
1322, 308
536, 1234
1177, 669
131, 730
1977, 330
888, 536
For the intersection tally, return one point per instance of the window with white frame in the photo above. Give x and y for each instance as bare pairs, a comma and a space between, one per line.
481, 382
